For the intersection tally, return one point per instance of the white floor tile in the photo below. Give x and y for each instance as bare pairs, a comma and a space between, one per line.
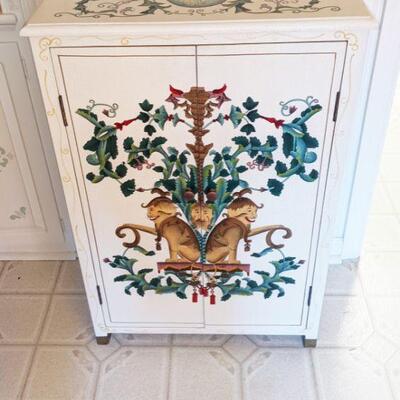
239, 347
343, 280
204, 373
393, 368
380, 273
392, 143
381, 202
393, 190
199, 340
2, 265
345, 322
383, 233
29, 277
135, 373
21, 318
68, 321
143, 340
379, 348
101, 352
277, 341
390, 168
14, 364
349, 375
62, 372
385, 312
70, 279
277, 374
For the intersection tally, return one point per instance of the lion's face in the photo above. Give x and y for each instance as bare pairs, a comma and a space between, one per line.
246, 214
159, 212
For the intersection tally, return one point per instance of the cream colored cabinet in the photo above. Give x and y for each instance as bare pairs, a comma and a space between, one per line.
200, 165
31, 220
30, 223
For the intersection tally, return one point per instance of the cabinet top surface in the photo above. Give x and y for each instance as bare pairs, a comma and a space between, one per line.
92, 12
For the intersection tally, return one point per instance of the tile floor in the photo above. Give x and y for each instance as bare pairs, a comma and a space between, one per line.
48, 351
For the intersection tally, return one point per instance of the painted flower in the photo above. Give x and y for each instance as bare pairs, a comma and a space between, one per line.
236, 116
161, 116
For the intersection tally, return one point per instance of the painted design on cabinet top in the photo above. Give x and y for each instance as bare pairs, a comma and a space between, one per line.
202, 207
101, 11
139, 8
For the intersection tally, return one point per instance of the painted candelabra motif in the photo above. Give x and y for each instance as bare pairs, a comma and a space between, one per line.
201, 204
139, 8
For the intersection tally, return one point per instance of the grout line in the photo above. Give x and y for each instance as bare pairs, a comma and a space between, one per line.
317, 384
238, 363
23, 390
169, 374
99, 367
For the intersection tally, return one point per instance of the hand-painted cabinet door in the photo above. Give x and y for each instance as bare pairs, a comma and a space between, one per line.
128, 148
201, 173
273, 143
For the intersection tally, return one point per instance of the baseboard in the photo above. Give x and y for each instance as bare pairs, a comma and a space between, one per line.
59, 256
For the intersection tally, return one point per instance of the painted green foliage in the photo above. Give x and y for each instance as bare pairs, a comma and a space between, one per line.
230, 284
177, 174
222, 175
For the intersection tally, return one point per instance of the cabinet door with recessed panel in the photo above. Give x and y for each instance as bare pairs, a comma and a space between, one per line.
268, 132
130, 131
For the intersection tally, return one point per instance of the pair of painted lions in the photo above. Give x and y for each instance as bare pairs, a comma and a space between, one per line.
223, 240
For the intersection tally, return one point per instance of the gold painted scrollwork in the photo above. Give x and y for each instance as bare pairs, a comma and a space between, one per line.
44, 45
351, 38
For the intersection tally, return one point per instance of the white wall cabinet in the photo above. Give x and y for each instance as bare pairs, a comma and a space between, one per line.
201, 165
30, 219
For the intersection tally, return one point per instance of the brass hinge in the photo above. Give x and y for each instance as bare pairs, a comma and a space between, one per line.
62, 109
62, 224
99, 295
309, 296
336, 111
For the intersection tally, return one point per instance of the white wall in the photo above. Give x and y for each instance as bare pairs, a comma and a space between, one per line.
381, 73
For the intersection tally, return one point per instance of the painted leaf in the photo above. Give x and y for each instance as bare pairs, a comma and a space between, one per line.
253, 115
262, 253
275, 187
249, 104
310, 157
248, 129
149, 129
128, 143
161, 116
128, 187
146, 106
241, 140
144, 117
121, 170
235, 116
91, 144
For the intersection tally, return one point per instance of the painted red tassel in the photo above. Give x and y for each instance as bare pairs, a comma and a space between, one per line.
212, 299
205, 292
194, 297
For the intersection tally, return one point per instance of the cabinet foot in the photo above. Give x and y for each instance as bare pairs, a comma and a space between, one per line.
309, 343
103, 340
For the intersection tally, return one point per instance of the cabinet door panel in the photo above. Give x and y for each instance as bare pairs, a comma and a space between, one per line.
278, 81
29, 219
117, 80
